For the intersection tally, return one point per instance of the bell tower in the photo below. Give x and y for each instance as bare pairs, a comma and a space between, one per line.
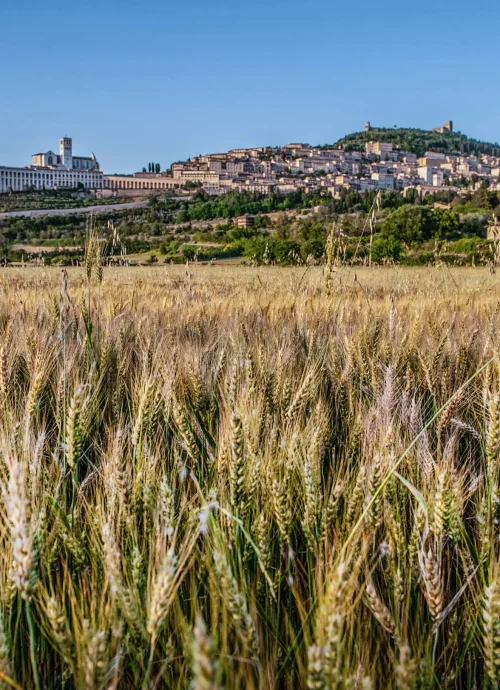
66, 152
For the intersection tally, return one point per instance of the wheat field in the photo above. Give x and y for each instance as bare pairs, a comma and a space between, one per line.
241, 478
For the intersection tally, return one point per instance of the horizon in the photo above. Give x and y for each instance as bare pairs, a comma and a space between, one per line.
139, 84
166, 167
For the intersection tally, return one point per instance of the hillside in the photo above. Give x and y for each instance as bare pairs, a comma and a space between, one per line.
419, 141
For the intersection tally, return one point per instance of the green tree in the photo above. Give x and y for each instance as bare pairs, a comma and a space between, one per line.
475, 224
189, 253
312, 230
286, 252
182, 216
386, 248
235, 234
157, 168
484, 199
448, 223
314, 248
410, 225
282, 226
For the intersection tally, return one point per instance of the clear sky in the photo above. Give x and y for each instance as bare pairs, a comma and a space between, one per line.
156, 80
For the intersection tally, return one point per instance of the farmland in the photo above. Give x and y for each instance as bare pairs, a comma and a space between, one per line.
249, 478
282, 230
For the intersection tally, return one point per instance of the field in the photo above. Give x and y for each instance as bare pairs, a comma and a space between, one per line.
249, 478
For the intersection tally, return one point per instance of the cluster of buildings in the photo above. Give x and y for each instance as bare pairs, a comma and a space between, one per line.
265, 169
301, 166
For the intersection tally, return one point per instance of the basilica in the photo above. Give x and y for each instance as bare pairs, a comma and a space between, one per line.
52, 171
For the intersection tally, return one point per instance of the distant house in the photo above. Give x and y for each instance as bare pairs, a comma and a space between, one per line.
378, 148
245, 221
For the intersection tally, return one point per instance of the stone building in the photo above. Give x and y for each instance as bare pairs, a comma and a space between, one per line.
447, 127
378, 148
65, 158
51, 170
246, 221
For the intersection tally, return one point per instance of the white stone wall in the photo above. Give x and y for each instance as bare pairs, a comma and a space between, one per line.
21, 179
128, 182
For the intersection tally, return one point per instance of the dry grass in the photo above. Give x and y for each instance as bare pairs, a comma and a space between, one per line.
221, 477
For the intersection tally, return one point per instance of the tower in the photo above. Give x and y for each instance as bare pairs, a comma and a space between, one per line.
66, 152
368, 127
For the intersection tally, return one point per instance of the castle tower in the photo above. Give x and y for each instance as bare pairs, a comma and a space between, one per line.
66, 152
368, 127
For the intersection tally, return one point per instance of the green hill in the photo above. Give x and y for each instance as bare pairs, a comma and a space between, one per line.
419, 141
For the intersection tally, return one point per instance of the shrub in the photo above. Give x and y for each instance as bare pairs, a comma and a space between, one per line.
386, 249
410, 224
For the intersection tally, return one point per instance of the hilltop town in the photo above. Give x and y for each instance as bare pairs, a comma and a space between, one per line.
382, 165
373, 160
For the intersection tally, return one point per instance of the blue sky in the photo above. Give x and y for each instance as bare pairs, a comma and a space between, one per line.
162, 81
